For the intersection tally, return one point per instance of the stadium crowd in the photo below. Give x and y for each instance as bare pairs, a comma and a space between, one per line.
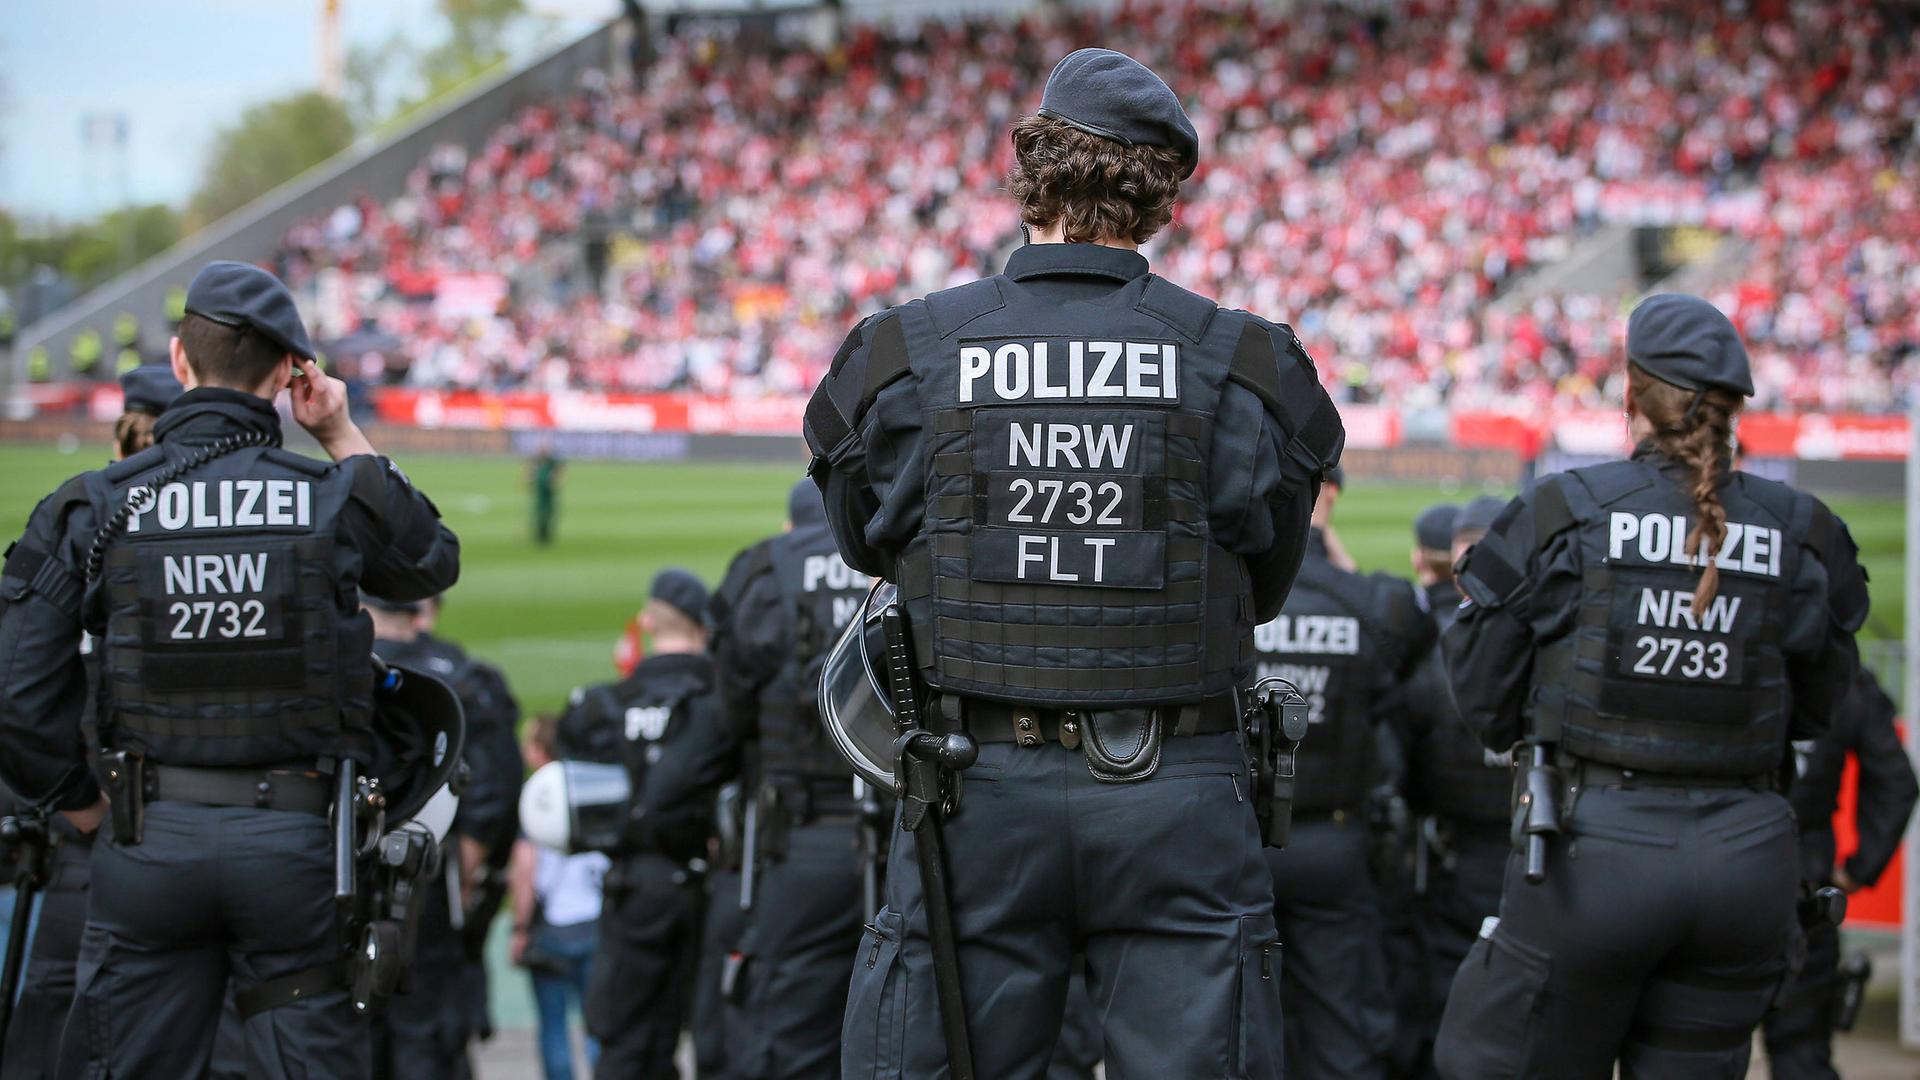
1376, 180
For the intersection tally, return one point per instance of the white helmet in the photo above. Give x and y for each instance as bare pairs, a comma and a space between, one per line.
575, 806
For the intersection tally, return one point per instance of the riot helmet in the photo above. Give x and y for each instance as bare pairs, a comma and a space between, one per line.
420, 734
575, 806
854, 701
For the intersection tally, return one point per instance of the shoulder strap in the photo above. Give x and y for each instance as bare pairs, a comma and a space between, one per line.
951, 309
1551, 514
1291, 394
135, 465
298, 462
1615, 480
1189, 313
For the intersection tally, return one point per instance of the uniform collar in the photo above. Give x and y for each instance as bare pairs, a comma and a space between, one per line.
668, 665
1442, 595
1648, 454
207, 413
1098, 260
1316, 544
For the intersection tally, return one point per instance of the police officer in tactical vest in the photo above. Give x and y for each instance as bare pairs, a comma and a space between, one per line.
46, 984
1650, 633
783, 605
488, 822
1089, 485
218, 575
1459, 791
425, 1032
1348, 641
660, 722
1826, 994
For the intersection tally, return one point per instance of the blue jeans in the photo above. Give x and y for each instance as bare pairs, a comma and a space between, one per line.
557, 990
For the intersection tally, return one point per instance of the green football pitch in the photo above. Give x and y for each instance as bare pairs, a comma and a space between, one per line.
551, 616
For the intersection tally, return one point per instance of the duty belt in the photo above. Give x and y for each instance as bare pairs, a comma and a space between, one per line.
1592, 774
265, 789
995, 721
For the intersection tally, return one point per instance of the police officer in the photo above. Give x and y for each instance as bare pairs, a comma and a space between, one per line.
1347, 641
488, 823
1654, 631
661, 722
784, 604
1090, 485
1799, 1034
425, 1032
218, 573
46, 984
1459, 791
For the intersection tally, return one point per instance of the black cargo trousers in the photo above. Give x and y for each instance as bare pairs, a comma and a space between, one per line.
1161, 883
46, 984
212, 894
1658, 939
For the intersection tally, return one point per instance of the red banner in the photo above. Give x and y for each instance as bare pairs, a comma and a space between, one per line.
1877, 908
1597, 432
1601, 432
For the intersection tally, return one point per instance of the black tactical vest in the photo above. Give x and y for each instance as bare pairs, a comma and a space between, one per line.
1065, 556
1328, 642
629, 722
1643, 681
822, 596
226, 611
1451, 776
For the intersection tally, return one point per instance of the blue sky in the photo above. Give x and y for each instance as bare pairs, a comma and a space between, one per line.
177, 70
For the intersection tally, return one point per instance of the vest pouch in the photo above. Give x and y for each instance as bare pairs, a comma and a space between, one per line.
1122, 745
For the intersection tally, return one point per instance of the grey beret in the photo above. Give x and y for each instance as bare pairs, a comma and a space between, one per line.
1433, 529
681, 590
149, 388
243, 295
1685, 341
1116, 97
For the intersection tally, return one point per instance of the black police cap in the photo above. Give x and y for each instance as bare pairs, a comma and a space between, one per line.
1116, 97
682, 591
381, 603
1433, 529
149, 388
243, 295
1337, 476
1686, 341
1477, 516
805, 505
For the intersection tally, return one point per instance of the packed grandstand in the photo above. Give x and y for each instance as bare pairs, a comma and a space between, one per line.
715, 223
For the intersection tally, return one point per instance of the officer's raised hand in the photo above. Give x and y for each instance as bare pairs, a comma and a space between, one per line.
320, 405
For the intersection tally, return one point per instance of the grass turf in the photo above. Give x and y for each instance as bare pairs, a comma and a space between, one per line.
550, 616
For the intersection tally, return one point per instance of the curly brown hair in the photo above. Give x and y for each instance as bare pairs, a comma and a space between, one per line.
132, 433
1699, 434
1096, 189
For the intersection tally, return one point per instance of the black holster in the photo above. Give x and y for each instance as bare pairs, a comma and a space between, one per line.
1275, 721
1850, 990
123, 775
1122, 745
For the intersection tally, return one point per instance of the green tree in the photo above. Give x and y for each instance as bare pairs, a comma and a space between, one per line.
475, 45
272, 143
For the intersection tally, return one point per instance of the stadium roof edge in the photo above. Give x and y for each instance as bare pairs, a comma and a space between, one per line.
253, 232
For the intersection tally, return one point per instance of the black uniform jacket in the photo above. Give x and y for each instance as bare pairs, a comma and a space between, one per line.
404, 554
876, 493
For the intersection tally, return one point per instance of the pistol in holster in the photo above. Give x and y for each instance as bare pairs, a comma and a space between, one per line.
1536, 813
1276, 719
1850, 990
123, 773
